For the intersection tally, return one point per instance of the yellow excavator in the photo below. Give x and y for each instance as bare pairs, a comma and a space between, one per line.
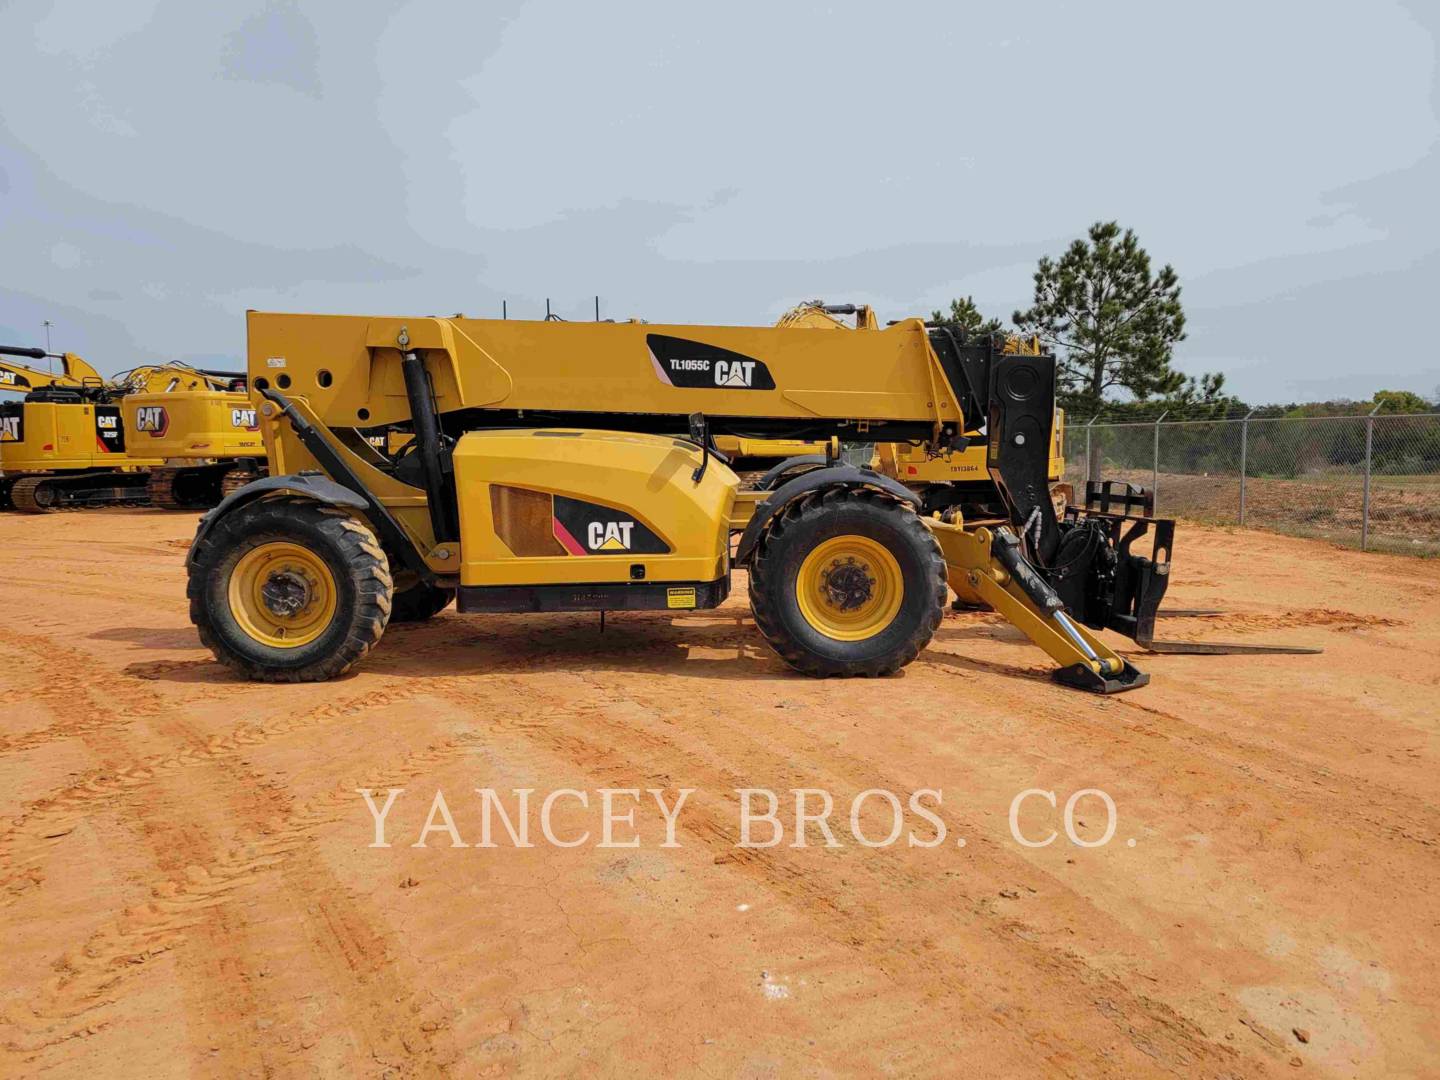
545, 475
64, 446
208, 440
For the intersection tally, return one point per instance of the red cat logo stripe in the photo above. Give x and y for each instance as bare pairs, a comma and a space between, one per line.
570, 544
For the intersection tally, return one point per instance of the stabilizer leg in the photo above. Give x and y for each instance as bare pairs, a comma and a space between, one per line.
1086, 663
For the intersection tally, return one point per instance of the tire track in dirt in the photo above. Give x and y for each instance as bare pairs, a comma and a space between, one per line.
27, 836
65, 684
394, 1024
1073, 962
1287, 779
1402, 816
1405, 817
1151, 1028
987, 870
113, 597
1332, 619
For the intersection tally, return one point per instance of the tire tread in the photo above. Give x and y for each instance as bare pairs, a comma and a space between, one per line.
765, 586
369, 573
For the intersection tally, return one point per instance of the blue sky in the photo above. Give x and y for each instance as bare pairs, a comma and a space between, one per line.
166, 165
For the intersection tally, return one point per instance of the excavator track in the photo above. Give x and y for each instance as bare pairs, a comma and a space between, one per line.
161, 489
235, 479
195, 487
33, 495
46, 494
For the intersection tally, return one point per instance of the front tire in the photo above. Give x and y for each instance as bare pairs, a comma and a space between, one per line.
287, 590
848, 583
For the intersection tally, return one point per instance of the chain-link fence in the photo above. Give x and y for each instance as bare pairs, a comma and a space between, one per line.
1370, 481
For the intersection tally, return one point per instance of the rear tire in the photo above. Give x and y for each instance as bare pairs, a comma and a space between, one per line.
287, 590
848, 583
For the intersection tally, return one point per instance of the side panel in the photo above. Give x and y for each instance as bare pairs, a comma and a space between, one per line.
201, 425
564, 507
57, 436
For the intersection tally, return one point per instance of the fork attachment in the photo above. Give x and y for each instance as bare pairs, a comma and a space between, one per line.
1109, 587
1103, 582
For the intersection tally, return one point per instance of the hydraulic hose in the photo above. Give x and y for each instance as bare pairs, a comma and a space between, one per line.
22, 350
427, 444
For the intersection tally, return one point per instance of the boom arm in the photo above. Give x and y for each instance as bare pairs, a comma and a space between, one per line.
74, 374
624, 376
169, 378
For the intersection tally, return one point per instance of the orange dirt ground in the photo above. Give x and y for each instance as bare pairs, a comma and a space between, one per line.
187, 887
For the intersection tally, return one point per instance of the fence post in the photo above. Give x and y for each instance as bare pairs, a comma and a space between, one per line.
1244, 459
1089, 468
1155, 471
1365, 496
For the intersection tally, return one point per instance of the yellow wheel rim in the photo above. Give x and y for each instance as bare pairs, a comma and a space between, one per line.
282, 595
850, 588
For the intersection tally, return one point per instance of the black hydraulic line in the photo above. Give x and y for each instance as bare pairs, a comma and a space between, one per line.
427, 445
22, 350
1006, 548
386, 527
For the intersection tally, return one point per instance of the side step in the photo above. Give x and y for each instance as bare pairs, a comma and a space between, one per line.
988, 567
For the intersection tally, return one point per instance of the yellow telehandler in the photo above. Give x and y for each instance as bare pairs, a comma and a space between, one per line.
544, 475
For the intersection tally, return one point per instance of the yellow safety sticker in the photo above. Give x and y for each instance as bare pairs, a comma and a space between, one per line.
680, 598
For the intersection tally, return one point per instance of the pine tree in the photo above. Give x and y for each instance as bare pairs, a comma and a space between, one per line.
1112, 323
964, 315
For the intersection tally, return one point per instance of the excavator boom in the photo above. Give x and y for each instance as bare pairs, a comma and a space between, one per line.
74, 373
